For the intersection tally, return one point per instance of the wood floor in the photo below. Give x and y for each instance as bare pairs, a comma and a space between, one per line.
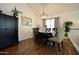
28, 47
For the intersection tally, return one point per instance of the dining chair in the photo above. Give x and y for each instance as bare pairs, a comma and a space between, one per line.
35, 32
59, 38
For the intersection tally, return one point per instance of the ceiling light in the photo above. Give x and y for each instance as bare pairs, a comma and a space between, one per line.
44, 15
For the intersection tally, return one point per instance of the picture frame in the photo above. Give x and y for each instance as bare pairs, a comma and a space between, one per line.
27, 21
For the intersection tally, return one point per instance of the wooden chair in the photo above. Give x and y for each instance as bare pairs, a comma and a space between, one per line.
35, 33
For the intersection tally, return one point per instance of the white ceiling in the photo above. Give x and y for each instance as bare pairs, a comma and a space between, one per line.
53, 8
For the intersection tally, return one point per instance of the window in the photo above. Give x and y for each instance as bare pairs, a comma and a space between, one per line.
50, 23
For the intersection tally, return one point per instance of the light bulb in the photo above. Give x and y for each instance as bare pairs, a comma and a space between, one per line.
43, 17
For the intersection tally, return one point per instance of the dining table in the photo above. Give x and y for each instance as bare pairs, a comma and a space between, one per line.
44, 36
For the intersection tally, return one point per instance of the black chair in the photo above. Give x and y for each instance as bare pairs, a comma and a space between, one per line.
43, 37
35, 34
48, 29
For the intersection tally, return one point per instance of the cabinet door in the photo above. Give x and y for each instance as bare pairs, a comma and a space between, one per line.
2, 31
10, 30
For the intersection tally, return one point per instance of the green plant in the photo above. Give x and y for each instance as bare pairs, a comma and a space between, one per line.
15, 12
67, 27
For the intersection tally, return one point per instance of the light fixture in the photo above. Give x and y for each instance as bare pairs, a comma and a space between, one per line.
44, 15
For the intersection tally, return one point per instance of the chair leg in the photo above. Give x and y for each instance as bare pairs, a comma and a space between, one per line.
62, 45
59, 46
54, 43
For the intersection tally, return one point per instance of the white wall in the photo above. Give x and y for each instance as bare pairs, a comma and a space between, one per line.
70, 16
74, 37
25, 32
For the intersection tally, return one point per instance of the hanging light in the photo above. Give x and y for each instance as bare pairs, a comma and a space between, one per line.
44, 16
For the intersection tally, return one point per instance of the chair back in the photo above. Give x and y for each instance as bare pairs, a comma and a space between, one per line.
60, 34
59, 37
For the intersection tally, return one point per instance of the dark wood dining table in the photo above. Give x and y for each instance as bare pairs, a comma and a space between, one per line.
44, 37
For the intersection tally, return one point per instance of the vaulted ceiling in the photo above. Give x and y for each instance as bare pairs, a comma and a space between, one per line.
53, 8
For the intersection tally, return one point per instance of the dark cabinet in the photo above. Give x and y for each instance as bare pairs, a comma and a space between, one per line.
8, 30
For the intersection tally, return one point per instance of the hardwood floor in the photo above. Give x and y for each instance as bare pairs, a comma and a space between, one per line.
28, 47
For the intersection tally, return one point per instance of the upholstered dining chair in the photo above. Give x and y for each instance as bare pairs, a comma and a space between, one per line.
59, 38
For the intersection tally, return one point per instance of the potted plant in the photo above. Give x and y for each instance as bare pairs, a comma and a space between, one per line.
67, 27
15, 12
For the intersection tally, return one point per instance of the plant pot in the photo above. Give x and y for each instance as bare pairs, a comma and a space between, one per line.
67, 37
66, 34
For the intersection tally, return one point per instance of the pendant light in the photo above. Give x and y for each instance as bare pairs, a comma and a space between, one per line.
44, 15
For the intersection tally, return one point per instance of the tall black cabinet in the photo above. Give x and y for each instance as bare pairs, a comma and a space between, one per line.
8, 30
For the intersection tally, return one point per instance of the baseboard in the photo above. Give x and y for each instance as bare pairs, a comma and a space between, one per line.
76, 46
